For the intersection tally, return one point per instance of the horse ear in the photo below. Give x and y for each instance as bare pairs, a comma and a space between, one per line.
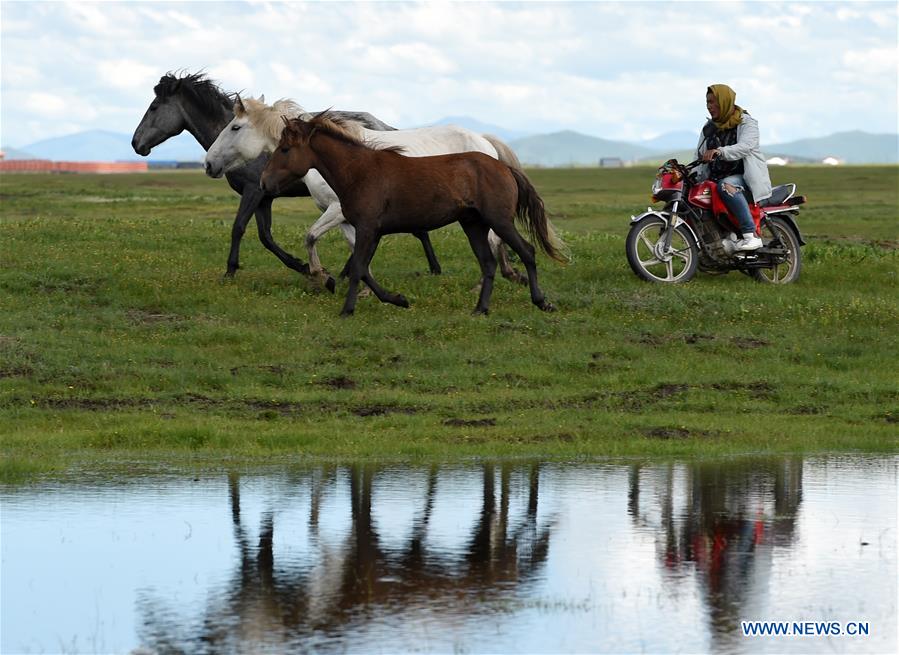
262, 98
239, 105
289, 131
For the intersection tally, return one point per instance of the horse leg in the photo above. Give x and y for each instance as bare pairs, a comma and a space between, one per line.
425, 239
331, 218
264, 226
505, 266
383, 295
349, 233
248, 202
476, 232
363, 251
345, 271
507, 232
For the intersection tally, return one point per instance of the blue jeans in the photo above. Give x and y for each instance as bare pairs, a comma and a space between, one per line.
737, 203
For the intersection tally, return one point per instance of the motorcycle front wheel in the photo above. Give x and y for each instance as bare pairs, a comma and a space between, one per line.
651, 261
776, 233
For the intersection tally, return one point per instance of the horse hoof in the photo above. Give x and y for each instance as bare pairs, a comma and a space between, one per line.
480, 311
547, 306
346, 313
330, 284
401, 301
436, 271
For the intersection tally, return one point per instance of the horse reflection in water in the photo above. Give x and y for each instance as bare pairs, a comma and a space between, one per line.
722, 521
271, 605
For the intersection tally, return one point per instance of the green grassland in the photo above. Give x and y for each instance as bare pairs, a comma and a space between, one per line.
119, 339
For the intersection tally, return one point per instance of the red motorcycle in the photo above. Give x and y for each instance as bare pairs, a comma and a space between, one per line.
695, 230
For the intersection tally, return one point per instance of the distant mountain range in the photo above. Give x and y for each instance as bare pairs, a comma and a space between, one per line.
573, 148
482, 128
15, 153
569, 148
854, 147
680, 140
100, 145
564, 148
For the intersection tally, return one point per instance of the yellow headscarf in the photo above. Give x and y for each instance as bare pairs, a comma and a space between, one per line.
730, 114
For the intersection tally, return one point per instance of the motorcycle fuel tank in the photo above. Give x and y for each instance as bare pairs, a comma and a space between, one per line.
701, 194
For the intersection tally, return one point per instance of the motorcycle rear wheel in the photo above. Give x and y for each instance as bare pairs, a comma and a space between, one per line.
777, 233
647, 258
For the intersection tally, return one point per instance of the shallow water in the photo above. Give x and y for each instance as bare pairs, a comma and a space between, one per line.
498, 557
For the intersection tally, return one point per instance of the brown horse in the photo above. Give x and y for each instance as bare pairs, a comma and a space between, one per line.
407, 194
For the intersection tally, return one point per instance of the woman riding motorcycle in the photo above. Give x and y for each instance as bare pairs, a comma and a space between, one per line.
730, 145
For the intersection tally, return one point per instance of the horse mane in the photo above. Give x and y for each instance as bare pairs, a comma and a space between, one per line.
196, 87
347, 131
267, 118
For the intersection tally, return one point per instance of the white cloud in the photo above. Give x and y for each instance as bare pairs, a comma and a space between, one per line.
46, 104
88, 16
873, 61
20, 73
238, 74
609, 69
184, 20
301, 85
883, 15
127, 74
413, 57
846, 14
53, 106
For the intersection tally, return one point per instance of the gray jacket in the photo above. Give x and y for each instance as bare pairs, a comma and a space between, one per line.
755, 170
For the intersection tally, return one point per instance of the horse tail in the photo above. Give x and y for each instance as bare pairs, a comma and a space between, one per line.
532, 213
503, 152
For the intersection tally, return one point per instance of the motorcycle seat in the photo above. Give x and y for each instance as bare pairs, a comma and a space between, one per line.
779, 195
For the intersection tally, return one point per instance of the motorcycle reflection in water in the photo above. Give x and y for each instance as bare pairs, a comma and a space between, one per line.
715, 524
723, 524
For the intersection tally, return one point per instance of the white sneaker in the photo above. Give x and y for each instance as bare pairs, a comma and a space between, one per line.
749, 242
730, 243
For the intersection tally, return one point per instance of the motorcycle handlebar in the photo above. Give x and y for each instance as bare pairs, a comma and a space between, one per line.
683, 170
673, 163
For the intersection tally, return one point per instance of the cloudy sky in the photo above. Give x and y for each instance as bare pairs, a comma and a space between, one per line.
619, 70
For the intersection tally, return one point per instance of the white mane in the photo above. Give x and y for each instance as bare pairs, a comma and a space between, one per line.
267, 118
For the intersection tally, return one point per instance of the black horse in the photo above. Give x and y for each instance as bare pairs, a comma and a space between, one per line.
194, 103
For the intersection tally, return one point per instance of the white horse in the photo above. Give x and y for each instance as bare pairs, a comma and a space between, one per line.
256, 129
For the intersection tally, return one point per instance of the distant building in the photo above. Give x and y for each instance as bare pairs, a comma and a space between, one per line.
777, 161
611, 162
47, 166
831, 161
